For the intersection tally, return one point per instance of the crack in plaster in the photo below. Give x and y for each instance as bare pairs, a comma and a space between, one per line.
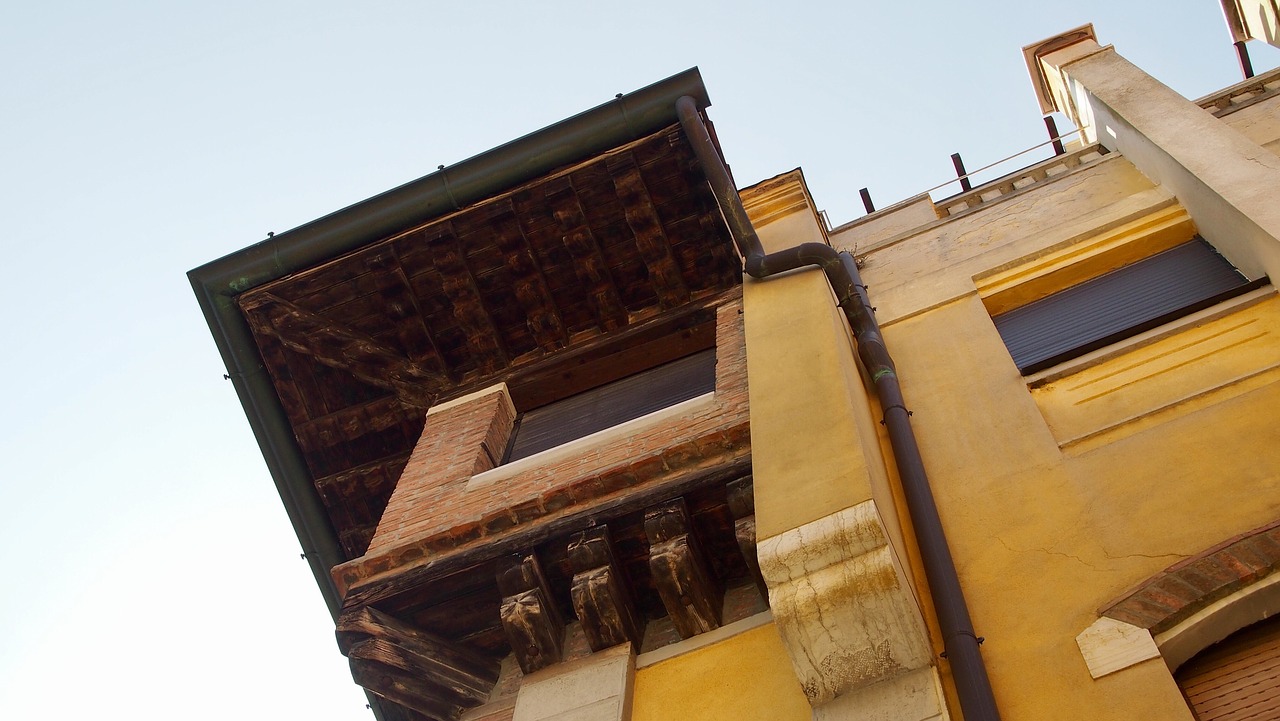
1109, 556
1153, 556
1047, 552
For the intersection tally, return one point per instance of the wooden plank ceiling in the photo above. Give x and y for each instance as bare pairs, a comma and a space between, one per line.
359, 347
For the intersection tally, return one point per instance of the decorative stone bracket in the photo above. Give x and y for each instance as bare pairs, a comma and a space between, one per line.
842, 603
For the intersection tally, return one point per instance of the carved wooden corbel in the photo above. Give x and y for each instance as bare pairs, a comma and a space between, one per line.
601, 598
690, 592
742, 506
532, 621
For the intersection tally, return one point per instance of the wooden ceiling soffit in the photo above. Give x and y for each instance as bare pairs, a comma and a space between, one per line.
529, 282
651, 240
401, 307
340, 347
588, 260
631, 349
459, 285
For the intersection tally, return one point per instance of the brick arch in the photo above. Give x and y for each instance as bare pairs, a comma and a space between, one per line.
1175, 594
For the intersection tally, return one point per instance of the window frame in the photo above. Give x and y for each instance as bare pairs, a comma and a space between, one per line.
1128, 289
679, 380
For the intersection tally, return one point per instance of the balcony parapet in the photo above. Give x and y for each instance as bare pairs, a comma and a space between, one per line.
1242, 95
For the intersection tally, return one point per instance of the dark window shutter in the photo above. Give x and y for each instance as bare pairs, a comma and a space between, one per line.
1237, 678
1119, 304
613, 403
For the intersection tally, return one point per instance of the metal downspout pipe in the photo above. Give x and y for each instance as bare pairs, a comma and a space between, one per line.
961, 643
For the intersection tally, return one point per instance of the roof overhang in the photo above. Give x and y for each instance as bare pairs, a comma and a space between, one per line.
220, 284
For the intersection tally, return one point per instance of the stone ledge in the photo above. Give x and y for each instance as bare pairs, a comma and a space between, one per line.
1110, 645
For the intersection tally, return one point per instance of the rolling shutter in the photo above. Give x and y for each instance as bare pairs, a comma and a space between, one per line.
1119, 304
1238, 678
613, 403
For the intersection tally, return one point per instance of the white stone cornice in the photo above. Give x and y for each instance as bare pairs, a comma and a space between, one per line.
842, 603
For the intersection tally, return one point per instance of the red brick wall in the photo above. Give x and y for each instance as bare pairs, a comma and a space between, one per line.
432, 512
459, 440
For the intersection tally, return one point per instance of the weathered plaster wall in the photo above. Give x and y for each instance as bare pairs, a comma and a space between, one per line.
1056, 499
747, 676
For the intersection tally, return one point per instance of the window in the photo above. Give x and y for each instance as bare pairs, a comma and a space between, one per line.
1119, 304
1237, 678
608, 405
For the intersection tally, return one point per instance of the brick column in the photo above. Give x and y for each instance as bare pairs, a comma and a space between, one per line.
462, 437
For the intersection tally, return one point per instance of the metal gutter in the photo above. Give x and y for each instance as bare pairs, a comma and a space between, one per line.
216, 284
972, 684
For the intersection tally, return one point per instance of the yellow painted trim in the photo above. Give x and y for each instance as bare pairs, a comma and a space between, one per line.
747, 676
1004, 290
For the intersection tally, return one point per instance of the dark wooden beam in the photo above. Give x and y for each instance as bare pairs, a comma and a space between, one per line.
353, 422
600, 595
349, 484
340, 347
651, 239
588, 262
529, 615
690, 592
529, 283
401, 307
405, 690
466, 676
459, 286
742, 506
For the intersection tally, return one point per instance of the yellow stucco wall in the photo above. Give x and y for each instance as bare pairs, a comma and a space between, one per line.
1043, 537
747, 676
1055, 499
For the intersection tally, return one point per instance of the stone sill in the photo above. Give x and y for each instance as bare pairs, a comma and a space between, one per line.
599, 438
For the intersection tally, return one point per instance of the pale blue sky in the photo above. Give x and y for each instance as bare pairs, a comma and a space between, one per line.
150, 570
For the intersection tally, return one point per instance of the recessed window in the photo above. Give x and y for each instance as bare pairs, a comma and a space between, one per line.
1236, 678
1119, 304
613, 403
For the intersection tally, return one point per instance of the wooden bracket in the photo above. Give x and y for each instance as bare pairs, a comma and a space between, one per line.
742, 506
690, 592
413, 668
405, 690
533, 624
600, 594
